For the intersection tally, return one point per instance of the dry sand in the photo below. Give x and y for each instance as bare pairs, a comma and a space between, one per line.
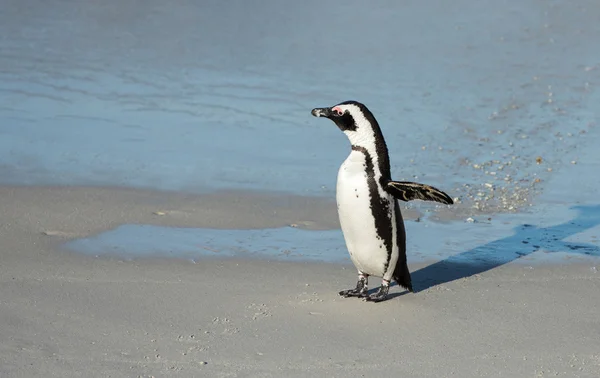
68, 315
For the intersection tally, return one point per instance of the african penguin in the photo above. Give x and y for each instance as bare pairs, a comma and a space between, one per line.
369, 214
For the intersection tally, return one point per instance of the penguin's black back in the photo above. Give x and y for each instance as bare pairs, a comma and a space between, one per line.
401, 272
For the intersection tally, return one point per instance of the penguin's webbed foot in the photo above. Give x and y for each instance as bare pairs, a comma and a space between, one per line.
353, 293
359, 291
380, 295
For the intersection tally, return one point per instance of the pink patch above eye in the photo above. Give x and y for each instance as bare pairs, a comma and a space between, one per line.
338, 110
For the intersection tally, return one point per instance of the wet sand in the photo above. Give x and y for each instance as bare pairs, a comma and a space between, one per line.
68, 315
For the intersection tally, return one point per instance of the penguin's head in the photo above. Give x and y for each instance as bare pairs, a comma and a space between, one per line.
353, 118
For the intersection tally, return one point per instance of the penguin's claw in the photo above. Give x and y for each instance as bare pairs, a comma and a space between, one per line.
380, 296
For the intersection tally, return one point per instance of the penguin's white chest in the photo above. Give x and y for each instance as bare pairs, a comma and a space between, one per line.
366, 248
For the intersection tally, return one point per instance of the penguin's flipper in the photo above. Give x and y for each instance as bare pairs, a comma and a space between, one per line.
408, 191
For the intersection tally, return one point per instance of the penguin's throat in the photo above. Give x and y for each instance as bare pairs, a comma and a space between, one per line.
366, 140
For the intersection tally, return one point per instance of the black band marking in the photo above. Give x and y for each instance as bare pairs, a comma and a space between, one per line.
380, 207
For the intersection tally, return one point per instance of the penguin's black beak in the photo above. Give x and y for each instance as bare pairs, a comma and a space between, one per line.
321, 112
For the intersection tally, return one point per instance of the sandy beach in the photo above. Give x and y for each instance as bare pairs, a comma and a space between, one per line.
167, 201
64, 314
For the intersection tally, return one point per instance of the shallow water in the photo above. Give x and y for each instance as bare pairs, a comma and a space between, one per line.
493, 102
481, 246
199, 96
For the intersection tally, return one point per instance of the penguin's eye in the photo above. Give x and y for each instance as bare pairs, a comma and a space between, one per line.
337, 111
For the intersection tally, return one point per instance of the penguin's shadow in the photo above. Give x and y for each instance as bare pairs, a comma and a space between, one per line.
526, 240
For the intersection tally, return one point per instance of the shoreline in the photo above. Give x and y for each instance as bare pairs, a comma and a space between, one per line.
68, 314
65, 214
